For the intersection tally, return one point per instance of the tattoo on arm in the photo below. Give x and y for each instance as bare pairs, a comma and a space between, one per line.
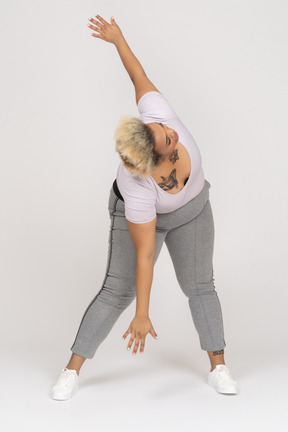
174, 156
169, 182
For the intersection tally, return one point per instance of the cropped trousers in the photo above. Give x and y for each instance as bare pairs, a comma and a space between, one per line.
189, 235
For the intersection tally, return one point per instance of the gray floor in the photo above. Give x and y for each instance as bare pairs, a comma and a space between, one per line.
163, 390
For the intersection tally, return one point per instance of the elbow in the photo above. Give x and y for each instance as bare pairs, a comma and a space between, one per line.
136, 75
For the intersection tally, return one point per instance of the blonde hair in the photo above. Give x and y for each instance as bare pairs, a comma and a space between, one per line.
135, 144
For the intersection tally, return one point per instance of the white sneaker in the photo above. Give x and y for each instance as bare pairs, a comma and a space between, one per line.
66, 386
221, 379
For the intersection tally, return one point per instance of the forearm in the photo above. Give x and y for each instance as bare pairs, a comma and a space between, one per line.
144, 277
130, 62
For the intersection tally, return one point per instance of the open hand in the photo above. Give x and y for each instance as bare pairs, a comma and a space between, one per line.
139, 327
104, 30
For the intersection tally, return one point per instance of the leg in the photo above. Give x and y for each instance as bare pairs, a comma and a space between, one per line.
216, 357
191, 250
75, 362
118, 289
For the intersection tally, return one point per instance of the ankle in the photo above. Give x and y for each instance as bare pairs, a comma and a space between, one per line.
71, 368
216, 364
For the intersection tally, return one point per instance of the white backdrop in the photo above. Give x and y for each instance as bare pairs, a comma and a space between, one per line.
223, 67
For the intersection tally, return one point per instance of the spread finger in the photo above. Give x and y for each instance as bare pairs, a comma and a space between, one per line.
142, 346
130, 342
136, 346
95, 22
94, 28
101, 19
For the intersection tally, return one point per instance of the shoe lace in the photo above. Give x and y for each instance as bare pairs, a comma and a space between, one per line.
224, 373
66, 376
68, 373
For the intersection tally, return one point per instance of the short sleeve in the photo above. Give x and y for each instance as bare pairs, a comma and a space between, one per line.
139, 197
154, 107
140, 202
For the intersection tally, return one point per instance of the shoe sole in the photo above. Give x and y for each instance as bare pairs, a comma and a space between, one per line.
56, 396
227, 390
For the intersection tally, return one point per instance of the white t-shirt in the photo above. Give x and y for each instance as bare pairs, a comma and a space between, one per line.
144, 198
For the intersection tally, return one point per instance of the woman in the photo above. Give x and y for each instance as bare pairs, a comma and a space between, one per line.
159, 194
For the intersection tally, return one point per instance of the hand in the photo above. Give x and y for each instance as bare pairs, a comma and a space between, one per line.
108, 32
139, 327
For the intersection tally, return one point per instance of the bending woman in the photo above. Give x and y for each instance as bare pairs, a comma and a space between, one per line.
159, 195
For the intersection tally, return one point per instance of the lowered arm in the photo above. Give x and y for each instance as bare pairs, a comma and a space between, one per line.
143, 237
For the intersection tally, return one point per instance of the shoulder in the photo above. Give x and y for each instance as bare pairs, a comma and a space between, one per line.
154, 107
143, 85
139, 197
133, 186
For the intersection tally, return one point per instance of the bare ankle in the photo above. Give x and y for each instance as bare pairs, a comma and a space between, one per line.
75, 363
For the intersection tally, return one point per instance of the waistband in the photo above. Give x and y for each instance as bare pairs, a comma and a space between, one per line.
117, 192
170, 220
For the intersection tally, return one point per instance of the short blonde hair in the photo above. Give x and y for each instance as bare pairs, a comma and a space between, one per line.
135, 143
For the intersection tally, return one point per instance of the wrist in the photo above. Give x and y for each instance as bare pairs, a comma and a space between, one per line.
141, 314
118, 39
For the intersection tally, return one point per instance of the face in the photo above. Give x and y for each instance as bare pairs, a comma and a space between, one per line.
165, 138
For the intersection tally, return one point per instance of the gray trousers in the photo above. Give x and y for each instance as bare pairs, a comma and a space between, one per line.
189, 235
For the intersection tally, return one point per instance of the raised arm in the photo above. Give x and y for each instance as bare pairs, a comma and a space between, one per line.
113, 34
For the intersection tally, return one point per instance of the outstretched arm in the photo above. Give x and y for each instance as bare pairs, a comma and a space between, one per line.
113, 34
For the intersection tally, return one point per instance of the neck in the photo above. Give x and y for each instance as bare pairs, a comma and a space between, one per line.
166, 159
